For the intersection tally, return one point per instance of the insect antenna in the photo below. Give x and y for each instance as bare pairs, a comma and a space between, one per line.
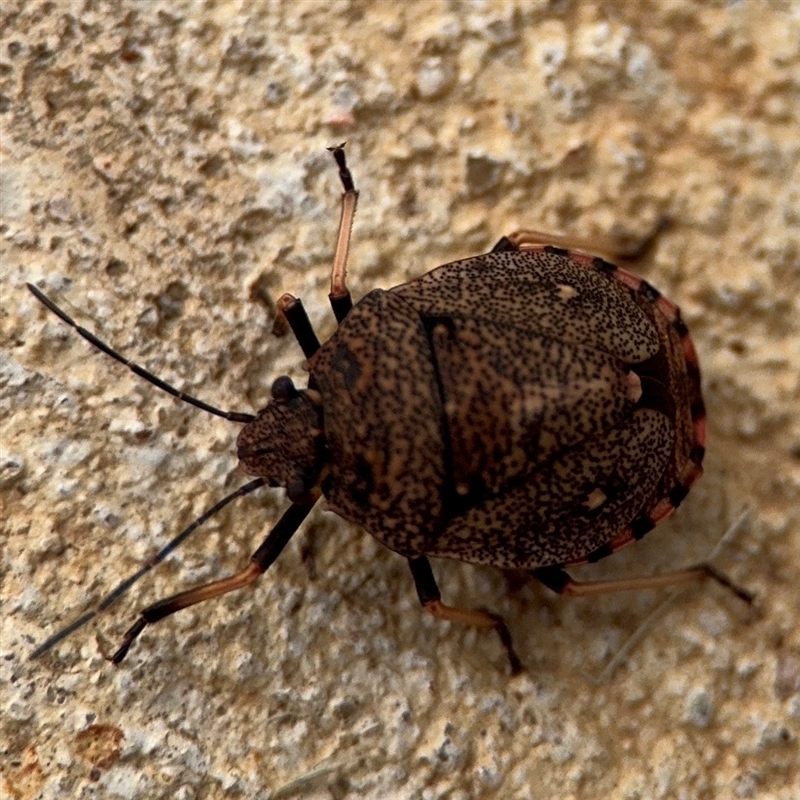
233, 416
123, 587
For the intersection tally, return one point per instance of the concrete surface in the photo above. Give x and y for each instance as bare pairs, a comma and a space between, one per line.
164, 178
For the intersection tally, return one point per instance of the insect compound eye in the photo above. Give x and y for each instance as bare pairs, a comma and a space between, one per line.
283, 388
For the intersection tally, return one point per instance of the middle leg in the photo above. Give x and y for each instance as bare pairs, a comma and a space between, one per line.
431, 599
260, 561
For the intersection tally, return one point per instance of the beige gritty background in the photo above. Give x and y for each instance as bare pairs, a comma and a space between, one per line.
164, 178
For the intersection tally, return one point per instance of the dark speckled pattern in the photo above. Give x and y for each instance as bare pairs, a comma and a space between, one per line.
532, 291
382, 416
522, 409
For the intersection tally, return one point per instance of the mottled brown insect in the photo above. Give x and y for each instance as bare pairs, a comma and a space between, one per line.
533, 407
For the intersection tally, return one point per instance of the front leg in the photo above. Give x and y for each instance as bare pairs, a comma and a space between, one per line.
340, 299
295, 314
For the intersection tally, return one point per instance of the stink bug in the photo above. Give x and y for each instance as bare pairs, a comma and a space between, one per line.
534, 407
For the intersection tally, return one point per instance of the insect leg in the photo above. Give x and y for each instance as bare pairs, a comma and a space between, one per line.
292, 308
340, 299
560, 582
122, 588
431, 599
597, 245
504, 245
266, 554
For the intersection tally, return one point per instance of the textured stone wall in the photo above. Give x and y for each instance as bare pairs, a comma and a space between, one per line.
164, 178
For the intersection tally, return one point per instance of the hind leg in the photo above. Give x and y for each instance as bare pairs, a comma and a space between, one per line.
556, 579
